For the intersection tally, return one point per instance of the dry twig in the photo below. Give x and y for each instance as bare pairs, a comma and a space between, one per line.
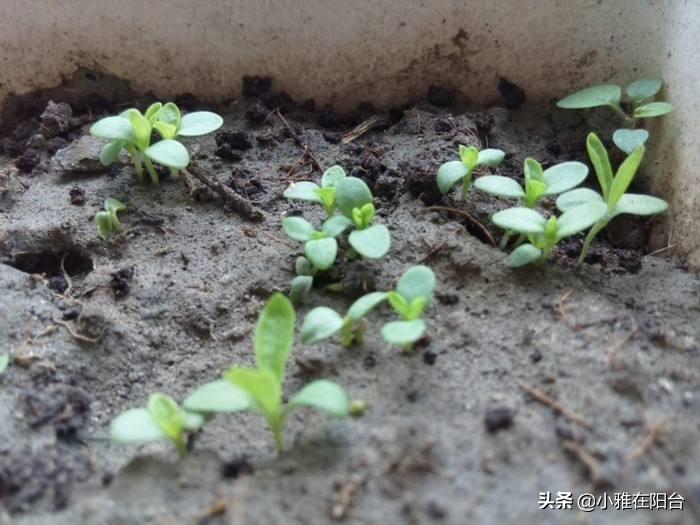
554, 405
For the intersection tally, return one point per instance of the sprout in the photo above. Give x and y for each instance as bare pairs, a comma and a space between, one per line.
107, 220
450, 173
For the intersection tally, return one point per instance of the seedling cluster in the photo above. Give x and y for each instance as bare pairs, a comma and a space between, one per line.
107, 221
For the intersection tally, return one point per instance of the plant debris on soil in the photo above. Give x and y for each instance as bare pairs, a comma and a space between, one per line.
560, 378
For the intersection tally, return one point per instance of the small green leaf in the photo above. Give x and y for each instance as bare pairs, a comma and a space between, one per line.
499, 186
142, 128
580, 218
298, 229
521, 220
635, 204
167, 131
153, 112
136, 425
332, 176
490, 157
533, 170
652, 109
592, 97
523, 255
319, 324
450, 173
199, 123
103, 220
564, 176
601, 163
365, 304
643, 89
336, 225
469, 156
4, 362
323, 395
113, 205
303, 191
371, 243
402, 333
113, 128
416, 308
167, 415
217, 396
170, 153
303, 266
110, 152
629, 140
576, 197
321, 252
262, 385
170, 114
300, 288
624, 176
351, 193
274, 335
398, 303
417, 281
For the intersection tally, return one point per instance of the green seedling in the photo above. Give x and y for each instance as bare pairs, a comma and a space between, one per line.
539, 183
410, 299
639, 102
4, 362
132, 131
161, 420
261, 389
450, 173
107, 220
544, 234
615, 200
311, 192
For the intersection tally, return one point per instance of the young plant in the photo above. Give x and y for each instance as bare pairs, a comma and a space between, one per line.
450, 173
107, 220
544, 234
132, 131
311, 192
260, 389
410, 299
639, 103
161, 420
614, 199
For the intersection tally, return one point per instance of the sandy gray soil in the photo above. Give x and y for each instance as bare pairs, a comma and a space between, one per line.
451, 434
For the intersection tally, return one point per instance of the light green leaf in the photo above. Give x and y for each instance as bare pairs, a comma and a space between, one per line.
336, 225
113, 205
193, 420
398, 303
365, 304
533, 170
652, 109
303, 191
320, 323
643, 89
523, 255
300, 288
521, 220
490, 157
303, 266
136, 425
450, 173
263, 387
4, 362
499, 186
417, 281
372, 243
323, 395
170, 153
416, 308
321, 252
469, 155
635, 204
576, 197
629, 140
167, 131
580, 218
153, 112
592, 97
601, 163
103, 220
170, 114
218, 396
332, 176
199, 123
298, 229
167, 415
110, 152
624, 176
141, 128
351, 193
564, 176
402, 333
113, 128
274, 335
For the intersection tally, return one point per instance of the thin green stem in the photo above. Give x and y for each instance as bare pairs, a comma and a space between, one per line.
589, 239
631, 121
466, 184
151, 170
137, 162
504, 240
174, 173
181, 445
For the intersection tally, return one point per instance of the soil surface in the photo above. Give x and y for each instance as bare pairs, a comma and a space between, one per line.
559, 378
